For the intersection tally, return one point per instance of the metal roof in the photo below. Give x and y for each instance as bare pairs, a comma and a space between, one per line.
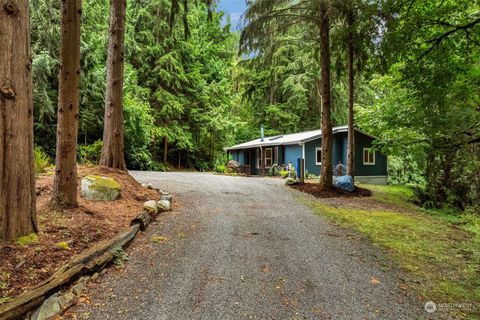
288, 139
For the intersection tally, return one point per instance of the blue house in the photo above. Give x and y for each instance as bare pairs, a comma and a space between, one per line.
370, 165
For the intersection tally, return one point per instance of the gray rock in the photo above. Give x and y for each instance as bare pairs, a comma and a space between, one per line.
80, 285
66, 300
164, 205
151, 206
166, 197
49, 308
99, 188
149, 186
145, 185
290, 181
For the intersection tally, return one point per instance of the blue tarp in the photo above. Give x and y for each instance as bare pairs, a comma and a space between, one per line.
345, 183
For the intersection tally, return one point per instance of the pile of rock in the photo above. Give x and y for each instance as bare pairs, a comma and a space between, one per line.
153, 206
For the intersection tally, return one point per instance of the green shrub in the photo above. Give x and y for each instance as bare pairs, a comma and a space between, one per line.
142, 159
202, 165
284, 174
274, 171
90, 153
42, 160
220, 168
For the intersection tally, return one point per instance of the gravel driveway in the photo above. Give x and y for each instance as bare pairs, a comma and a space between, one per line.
245, 248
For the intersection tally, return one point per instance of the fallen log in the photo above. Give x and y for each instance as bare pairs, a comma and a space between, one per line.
143, 219
88, 262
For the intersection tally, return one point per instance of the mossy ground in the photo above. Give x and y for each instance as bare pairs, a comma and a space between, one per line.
440, 250
31, 238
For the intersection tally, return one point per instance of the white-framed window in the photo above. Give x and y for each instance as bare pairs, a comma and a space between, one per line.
318, 156
268, 157
368, 157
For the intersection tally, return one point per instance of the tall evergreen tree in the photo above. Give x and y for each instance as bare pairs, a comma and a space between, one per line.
262, 16
350, 19
326, 177
17, 172
65, 182
113, 132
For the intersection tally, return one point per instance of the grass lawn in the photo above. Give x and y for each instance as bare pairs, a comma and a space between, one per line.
439, 250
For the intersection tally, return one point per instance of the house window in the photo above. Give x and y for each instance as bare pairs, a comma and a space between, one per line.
268, 157
318, 156
368, 156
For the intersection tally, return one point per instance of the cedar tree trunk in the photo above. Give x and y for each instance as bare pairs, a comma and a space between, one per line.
113, 145
326, 178
17, 168
351, 129
65, 183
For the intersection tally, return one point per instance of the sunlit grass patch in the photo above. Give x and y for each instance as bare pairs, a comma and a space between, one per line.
442, 254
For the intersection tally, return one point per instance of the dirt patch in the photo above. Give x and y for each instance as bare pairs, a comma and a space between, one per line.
319, 192
64, 233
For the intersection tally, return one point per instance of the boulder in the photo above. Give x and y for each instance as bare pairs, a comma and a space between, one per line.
345, 183
164, 205
48, 309
166, 197
66, 300
99, 188
151, 206
290, 181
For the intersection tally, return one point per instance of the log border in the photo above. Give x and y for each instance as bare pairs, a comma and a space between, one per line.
86, 263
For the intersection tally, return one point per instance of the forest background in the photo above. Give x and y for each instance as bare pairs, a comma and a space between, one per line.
192, 89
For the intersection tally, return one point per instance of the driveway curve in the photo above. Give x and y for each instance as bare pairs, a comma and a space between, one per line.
245, 248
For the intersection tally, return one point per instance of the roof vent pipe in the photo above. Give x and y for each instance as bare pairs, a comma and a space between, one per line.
262, 134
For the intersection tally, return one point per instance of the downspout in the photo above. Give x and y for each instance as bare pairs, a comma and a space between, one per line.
304, 160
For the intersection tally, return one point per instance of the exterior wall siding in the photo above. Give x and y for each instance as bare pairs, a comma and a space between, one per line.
380, 167
310, 157
292, 152
338, 153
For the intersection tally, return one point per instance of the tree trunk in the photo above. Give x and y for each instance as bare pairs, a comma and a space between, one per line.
351, 130
17, 168
326, 178
113, 132
65, 183
165, 150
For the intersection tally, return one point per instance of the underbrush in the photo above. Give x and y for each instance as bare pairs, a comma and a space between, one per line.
42, 160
